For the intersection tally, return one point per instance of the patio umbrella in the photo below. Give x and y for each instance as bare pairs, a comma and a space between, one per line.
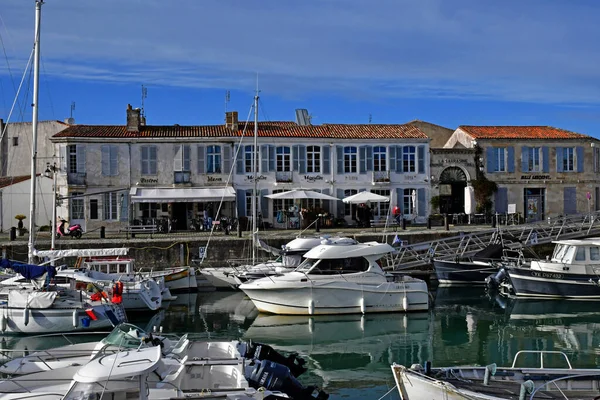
301, 194
364, 197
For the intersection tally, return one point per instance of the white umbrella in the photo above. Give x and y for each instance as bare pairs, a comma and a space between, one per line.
301, 194
364, 197
413, 197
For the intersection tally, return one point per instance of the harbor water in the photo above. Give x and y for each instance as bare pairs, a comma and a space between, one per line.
349, 356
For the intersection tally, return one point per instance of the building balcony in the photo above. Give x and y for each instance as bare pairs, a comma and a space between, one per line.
283, 177
182, 177
76, 179
381, 177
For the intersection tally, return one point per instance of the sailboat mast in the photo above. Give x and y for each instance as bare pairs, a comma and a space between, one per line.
34, 123
255, 167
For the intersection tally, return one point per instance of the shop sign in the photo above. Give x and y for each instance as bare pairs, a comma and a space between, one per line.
214, 179
534, 177
258, 178
148, 181
313, 178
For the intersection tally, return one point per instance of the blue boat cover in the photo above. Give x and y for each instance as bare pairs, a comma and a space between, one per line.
28, 271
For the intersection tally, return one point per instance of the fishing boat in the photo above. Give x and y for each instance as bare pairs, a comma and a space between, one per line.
572, 272
339, 277
499, 383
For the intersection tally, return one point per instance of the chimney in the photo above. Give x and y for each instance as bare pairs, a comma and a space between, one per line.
133, 119
231, 120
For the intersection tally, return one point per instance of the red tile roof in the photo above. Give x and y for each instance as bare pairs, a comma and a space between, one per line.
265, 129
520, 132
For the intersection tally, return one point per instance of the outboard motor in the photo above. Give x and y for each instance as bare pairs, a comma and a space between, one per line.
259, 352
277, 377
493, 281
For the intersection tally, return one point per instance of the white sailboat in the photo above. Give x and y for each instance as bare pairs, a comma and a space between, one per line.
28, 309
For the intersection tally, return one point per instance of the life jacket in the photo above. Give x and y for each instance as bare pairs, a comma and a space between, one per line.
117, 292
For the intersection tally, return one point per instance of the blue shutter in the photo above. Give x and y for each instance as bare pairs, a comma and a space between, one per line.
559, 159
202, 160
187, 158
579, 150
340, 203
114, 160
226, 159
400, 199
264, 153
399, 159
570, 200
296, 157
421, 159
105, 152
340, 159
362, 159
511, 159
272, 158
369, 158
326, 159
124, 196
524, 159
545, 159
264, 203
80, 159
239, 161
241, 202
421, 203
501, 200
490, 160
301, 159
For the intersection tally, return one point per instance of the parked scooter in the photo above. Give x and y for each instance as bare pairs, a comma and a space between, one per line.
65, 230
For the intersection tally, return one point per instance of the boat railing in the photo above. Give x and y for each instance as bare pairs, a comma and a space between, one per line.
541, 353
559, 379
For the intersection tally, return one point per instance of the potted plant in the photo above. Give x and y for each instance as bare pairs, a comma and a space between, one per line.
20, 217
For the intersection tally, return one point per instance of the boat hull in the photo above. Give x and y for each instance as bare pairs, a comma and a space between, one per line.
178, 280
526, 282
341, 298
220, 278
462, 272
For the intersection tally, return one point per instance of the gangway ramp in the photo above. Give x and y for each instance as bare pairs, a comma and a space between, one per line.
564, 227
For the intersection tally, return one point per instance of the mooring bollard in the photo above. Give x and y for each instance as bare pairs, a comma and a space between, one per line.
446, 222
13, 234
102, 232
428, 222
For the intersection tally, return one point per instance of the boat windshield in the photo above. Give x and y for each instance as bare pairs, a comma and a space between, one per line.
125, 336
291, 261
567, 255
307, 265
559, 252
103, 390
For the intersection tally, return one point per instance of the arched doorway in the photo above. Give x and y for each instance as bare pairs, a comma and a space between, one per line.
453, 181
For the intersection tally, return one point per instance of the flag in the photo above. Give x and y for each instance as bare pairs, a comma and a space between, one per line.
396, 240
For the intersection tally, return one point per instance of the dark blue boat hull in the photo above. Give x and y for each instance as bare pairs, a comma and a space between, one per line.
462, 272
526, 282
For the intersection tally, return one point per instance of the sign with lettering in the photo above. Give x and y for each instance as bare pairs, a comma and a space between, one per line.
313, 178
258, 178
351, 178
533, 177
149, 181
214, 179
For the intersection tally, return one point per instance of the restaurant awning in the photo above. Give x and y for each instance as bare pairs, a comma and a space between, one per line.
181, 195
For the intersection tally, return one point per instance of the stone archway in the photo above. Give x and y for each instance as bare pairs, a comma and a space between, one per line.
453, 181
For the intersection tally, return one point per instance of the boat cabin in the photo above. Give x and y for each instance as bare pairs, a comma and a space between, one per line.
109, 265
573, 256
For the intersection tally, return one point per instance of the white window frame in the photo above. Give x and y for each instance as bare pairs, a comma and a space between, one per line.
76, 206
213, 159
409, 159
249, 154
283, 159
379, 158
348, 206
350, 159
535, 159
569, 159
313, 159
110, 207
72, 158
501, 155
148, 157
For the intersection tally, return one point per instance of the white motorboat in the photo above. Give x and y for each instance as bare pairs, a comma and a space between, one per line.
499, 383
339, 277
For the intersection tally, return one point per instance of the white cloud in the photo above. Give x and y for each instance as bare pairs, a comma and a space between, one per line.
539, 50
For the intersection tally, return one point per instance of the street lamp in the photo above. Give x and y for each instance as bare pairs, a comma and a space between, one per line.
51, 170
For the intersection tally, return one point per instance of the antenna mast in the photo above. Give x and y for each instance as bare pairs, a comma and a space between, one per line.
227, 98
72, 108
144, 95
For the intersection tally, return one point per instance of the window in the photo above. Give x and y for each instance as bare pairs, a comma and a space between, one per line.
381, 209
110, 206
596, 157
534, 159
109, 160
409, 159
149, 210
350, 159
379, 160
72, 158
248, 157
149, 160
283, 159
313, 159
580, 255
281, 204
76, 211
182, 164
94, 209
340, 265
568, 160
213, 160
409, 202
347, 206
249, 210
15, 140
500, 155
594, 253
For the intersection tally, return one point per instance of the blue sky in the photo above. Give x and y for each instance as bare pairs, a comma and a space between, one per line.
459, 62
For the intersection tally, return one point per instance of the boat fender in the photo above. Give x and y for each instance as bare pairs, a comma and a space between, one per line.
26, 316
75, 318
362, 305
311, 307
405, 303
427, 367
527, 388
3, 322
490, 370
